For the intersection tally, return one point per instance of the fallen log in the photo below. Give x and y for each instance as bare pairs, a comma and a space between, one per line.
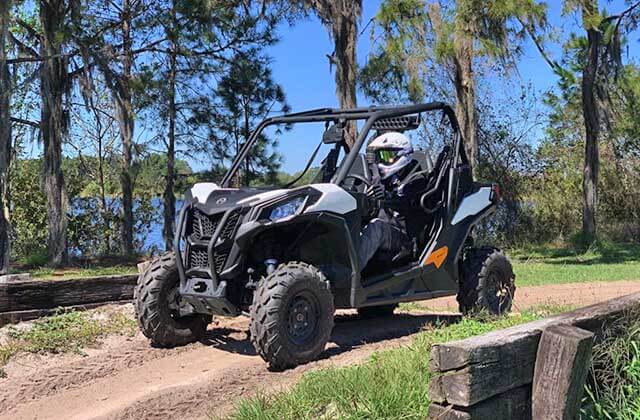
50, 294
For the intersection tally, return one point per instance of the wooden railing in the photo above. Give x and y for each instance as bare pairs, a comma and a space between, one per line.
535, 370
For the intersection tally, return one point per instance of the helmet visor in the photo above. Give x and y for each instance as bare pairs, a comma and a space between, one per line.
387, 156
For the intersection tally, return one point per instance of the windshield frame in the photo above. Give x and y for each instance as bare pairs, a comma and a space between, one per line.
370, 115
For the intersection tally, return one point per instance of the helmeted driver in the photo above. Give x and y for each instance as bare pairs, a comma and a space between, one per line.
387, 231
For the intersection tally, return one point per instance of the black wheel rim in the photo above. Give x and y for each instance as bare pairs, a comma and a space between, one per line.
498, 292
302, 317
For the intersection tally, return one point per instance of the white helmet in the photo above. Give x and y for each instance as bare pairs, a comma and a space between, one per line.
391, 151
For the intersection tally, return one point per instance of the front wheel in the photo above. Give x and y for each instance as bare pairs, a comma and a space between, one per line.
291, 315
157, 306
487, 282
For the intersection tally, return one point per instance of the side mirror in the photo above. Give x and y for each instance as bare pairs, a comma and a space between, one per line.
333, 135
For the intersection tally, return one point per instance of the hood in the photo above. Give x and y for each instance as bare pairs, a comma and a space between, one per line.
210, 198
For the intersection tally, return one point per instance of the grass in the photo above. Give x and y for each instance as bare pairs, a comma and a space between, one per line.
391, 384
613, 389
536, 266
76, 267
81, 272
62, 333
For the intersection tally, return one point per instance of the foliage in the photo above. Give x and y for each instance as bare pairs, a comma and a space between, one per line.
613, 388
92, 230
28, 208
247, 94
390, 384
414, 40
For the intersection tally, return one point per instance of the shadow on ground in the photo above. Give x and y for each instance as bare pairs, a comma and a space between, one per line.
350, 331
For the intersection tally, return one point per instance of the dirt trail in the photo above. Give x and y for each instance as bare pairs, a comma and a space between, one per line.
126, 378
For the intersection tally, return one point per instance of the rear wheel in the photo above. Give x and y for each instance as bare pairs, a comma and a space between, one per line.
291, 315
487, 282
157, 306
381, 311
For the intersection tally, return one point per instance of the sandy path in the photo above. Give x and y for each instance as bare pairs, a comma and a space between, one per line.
579, 294
126, 378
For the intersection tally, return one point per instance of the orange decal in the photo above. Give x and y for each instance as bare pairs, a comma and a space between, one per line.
437, 257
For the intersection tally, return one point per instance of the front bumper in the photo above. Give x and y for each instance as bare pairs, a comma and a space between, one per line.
203, 246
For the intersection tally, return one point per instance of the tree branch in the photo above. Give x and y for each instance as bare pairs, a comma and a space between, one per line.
22, 46
25, 122
557, 68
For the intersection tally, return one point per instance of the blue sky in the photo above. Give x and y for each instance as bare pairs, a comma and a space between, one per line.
300, 65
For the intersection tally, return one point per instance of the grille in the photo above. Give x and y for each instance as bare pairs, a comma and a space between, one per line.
219, 259
198, 258
204, 226
230, 227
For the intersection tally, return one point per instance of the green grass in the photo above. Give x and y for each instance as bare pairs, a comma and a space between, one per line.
73, 273
63, 332
391, 384
613, 388
548, 265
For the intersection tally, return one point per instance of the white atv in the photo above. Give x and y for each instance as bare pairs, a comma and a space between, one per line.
288, 256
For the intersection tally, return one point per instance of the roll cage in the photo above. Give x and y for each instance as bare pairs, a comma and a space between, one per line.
370, 115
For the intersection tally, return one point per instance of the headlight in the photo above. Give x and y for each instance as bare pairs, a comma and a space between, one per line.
287, 209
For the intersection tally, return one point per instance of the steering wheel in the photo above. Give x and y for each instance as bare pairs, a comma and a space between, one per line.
358, 177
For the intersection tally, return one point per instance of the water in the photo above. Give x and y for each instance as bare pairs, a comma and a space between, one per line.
153, 241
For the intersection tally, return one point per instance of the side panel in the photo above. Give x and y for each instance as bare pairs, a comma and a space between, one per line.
473, 204
334, 199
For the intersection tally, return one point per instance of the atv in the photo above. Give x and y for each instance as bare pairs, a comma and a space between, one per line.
287, 257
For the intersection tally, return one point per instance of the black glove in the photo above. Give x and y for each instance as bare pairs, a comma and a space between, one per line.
375, 192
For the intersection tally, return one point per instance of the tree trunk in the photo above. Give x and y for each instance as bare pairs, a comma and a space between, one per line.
247, 134
591, 116
341, 19
125, 120
466, 96
101, 184
5, 137
53, 125
345, 35
169, 197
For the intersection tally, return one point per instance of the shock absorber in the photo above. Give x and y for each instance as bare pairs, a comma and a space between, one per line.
270, 251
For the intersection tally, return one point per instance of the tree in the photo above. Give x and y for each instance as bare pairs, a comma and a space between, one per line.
95, 141
106, 40
599, 63
341, 19
454, 35
54, 85
201, 40
5, 136
247, 94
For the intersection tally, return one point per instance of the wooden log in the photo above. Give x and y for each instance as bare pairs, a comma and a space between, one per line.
504, 367
562, 363
14, 278
19, 316
497, 353
49, 294
513, 404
